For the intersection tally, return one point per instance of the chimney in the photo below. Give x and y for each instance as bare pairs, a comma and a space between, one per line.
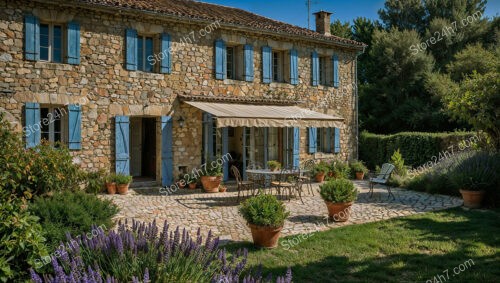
323, 22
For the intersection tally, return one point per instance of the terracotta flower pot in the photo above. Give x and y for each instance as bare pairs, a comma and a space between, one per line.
211, 183
222, 189
320, 177
264, 236
122, 188
192, 186
111, 188
472, 199
360, 175
339, 212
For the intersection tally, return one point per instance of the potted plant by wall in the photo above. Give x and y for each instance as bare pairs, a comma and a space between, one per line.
474, 175
111, 184
341, 170
319, 171
359, 169
265, 216
192, 184
273, 165
222, 187
181, 182
338, 194
212, 178
122, 183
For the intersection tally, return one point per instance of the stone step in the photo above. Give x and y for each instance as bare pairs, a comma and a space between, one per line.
144, 184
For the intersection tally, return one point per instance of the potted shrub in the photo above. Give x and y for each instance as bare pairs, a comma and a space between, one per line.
273, 165
359, 169
222, 187
192, 184
338, 194
319, 171
474, 175
181, 182
341, 170
265, 216
111, 184
212, 178
122, 183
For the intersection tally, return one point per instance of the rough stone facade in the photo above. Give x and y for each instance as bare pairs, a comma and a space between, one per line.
105, 88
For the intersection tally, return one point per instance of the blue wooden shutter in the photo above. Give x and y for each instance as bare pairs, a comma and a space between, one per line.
327, 138
73, 43
267, 64
294, 67
208, 132
296, 147
122, 143
248, 50
313, 137
337, 140
31, 38
220, 59
166, 62
167, 155
315, 68
336, 81
33, 131
131, 42
75, 126
225, 150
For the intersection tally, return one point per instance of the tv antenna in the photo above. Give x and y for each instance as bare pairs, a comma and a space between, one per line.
309, 3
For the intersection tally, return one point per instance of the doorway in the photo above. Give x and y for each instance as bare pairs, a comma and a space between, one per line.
143, 148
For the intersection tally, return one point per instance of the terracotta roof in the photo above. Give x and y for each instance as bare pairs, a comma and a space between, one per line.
226, 15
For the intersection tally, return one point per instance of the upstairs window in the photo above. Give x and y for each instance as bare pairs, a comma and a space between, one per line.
51, 43
234, 62
278, 66
325, 67
145, 50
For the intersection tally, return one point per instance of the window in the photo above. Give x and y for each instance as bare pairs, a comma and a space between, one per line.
145, 48
51, 43
51, 124
278, 66
324, 70
234, 62
324, 141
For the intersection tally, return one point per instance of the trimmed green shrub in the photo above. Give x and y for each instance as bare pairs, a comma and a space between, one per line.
341, 169
417, 148
264, 210
122, 179
72, 212
321, 168
478, 171
358, 166
21, 241
94, 181
338, 191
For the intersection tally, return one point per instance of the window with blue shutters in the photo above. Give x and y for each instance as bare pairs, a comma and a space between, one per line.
324, 140
51, 42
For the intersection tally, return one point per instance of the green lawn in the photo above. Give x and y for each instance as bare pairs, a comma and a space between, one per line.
409, 249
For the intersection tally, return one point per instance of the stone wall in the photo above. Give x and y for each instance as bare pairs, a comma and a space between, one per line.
105, 89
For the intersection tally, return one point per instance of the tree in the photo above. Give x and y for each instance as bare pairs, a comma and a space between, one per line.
403, 14
341, 29
474, 58
362, 31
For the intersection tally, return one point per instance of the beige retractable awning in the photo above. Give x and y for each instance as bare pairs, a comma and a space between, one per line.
248, 115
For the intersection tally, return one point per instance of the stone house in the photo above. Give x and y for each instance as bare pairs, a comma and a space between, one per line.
157, 88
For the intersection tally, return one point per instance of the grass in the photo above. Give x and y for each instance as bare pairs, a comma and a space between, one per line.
408, 249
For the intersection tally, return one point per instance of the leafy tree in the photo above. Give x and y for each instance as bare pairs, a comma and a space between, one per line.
341, 29
472, 58
362, 31
403, 14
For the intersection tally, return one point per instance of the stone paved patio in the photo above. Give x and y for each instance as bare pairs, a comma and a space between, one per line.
218, 212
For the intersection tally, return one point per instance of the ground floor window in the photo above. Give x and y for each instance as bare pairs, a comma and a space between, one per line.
52, 124
324, 140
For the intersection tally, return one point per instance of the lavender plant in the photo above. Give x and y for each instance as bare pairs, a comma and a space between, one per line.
138, 254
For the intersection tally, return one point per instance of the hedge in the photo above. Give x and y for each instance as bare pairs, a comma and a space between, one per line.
417, 148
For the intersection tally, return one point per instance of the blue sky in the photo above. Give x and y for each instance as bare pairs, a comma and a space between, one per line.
295, 11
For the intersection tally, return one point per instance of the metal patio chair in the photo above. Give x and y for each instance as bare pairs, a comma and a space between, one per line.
307, 176
243, 186
382, 178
